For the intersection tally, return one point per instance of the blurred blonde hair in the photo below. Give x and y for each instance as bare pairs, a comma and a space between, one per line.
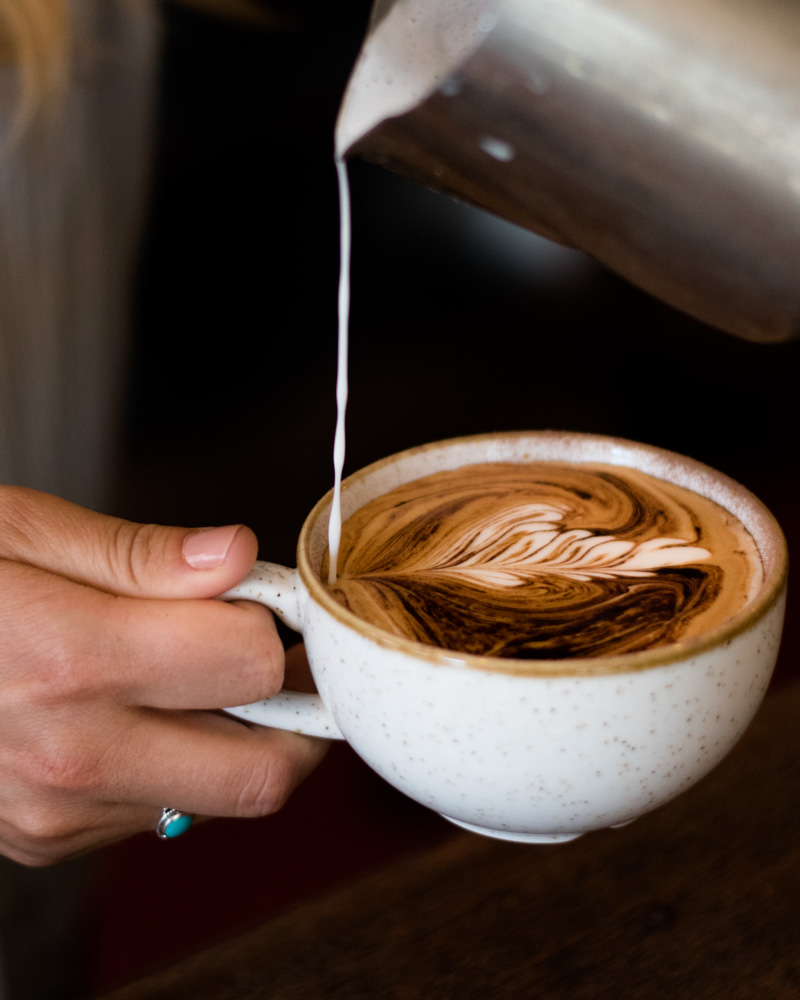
35, 36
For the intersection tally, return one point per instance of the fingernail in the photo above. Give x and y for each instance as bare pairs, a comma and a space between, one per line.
208, 549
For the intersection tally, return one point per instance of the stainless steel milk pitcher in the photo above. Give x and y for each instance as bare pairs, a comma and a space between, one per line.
662, 137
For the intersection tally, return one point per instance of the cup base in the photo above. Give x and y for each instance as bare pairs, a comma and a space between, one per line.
514, 835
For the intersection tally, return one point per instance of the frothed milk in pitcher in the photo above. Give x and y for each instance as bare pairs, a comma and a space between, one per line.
413, 53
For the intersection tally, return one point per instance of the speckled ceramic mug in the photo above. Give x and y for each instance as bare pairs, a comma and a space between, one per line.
533, 751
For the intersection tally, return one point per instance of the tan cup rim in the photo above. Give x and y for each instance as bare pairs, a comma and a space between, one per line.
775, 565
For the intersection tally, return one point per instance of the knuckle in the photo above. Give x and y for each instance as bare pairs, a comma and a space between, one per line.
131, 549
30, 856
66, 678
54, 643
62, 767
30, 859
67, 667
266, 790
261, 655
17, 533
43, 834
62, 643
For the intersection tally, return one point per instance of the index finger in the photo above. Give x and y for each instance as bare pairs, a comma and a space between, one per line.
173, 654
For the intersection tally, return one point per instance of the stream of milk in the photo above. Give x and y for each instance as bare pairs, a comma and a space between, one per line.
335, 522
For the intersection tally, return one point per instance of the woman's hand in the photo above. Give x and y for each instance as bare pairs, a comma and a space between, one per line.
112, 653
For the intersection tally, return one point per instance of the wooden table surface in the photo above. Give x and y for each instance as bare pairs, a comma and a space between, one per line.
700, 899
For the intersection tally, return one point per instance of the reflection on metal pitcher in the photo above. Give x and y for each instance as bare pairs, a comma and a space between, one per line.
661, 139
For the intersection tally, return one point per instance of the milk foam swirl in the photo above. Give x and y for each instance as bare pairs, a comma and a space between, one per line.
544, 560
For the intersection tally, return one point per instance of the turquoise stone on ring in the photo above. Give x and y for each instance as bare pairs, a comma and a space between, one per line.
173, 823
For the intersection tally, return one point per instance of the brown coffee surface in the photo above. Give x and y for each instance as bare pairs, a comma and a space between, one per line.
545, 560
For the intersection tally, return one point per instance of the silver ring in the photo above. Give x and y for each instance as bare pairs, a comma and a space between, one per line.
173, 823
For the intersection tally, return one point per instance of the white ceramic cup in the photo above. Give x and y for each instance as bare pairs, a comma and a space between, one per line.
532, 751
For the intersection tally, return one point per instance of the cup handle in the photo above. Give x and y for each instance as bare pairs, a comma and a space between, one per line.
278, 587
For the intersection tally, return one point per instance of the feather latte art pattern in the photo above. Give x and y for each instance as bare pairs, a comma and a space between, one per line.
544, 561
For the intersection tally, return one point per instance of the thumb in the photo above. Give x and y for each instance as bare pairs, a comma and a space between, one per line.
121, 557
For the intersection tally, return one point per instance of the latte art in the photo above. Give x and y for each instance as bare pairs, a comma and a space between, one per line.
545, 561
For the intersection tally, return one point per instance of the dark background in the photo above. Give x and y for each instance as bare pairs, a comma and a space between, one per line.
459, 325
